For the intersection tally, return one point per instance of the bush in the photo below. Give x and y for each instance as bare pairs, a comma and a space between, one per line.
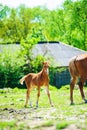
14, 65
10, 67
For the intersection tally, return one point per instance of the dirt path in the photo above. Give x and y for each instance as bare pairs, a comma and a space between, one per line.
33, 118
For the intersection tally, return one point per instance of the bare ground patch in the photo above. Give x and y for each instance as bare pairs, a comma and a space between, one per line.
32, 118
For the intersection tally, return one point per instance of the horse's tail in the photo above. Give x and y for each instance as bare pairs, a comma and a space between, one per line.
72, 66
22, 80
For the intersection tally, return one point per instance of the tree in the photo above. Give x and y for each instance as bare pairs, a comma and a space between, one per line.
77, 13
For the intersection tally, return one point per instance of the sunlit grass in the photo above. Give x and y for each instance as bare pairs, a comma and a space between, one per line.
7, 124
62, 125
60, 116
45, 124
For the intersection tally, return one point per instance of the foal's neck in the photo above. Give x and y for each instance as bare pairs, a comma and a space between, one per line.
45, 71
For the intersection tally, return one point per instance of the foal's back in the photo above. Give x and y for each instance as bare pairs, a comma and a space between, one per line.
37, 79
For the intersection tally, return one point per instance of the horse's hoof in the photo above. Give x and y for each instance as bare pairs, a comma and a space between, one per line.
52, 105
85, 101
25, 106
72, 103
36, 106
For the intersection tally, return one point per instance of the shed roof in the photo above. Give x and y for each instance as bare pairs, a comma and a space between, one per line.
60, 52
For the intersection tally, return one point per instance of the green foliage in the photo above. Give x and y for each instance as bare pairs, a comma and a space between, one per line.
75, 23
67, 24
10, 67
27, 45
32, 64
4, 11
37, 63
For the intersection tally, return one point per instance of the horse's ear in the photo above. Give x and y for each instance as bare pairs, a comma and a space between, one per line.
46, 62
43, 62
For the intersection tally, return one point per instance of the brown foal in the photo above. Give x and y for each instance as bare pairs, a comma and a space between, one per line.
39, 79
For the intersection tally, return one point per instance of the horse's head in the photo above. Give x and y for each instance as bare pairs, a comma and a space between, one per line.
45, 64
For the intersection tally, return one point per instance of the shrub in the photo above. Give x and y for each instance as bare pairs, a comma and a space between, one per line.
10, 67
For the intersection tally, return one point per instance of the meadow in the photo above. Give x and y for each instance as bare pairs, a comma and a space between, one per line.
63, 116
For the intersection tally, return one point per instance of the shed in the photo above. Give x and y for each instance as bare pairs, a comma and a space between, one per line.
61, 54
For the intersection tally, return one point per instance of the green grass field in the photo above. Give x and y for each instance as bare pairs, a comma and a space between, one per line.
13, 115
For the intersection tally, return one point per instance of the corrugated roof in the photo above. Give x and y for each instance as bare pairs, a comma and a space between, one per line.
60, 52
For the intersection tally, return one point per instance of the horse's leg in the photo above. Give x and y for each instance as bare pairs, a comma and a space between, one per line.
72, 84
38, 95
27, 97
81, 83
48, 93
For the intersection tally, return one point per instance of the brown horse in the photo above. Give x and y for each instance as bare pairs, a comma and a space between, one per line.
78, 69
32, 80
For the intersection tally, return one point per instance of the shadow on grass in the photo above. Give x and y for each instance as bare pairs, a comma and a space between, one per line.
82, 103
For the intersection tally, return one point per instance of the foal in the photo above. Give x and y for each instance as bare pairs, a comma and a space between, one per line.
39, 79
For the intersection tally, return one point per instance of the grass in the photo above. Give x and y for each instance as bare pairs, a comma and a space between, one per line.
62, 125
6, 124
14, 116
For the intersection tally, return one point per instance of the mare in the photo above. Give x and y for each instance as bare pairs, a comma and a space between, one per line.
37, 80
78, 70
